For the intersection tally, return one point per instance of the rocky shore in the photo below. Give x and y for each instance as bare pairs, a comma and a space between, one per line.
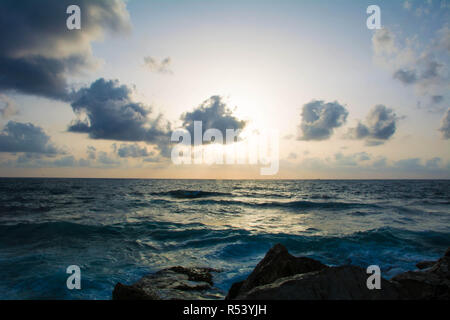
281, 276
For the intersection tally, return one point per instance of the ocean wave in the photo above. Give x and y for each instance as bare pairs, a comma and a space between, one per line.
191, 194
295, 204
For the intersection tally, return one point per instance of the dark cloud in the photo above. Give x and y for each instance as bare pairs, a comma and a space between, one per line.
380, 125
214, 114
431, 69
111, 114
319, 119
162, 66
131, 151
445, 125
406, 76
426, 70
26, 137
437, 99
38, 52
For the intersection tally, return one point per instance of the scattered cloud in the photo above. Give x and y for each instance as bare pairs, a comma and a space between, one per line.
162, 66
214, 114
423, 65
380, 126
7, 107
110, 114
292, 156
33, 160
437, 99
351, 159
364, 163
407, 5
422, 8
106, 160
91, 152
384, 42
131, 151
26, 137
38, 52
406, 76
319, 119
445, 125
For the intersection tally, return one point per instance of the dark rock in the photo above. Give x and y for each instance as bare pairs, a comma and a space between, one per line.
234, 290
425, 264
429, 284
125, 292
196, 274
277, 263
176, 283
282, 276
334, 283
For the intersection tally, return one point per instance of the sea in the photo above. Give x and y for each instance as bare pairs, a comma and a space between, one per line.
118, 230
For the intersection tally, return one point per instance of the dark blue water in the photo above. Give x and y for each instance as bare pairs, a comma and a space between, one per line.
119, 230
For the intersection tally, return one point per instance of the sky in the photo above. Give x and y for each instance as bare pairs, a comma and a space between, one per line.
335, 99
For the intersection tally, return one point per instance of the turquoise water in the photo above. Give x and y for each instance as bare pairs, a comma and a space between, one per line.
119, 230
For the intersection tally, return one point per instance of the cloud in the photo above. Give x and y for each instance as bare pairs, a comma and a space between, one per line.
26, 137
351, 159
417, 61
445, 125
111, 114
319, 119
407, 5
91, 152
68, 161
37, 51
292, 156
33, 160
412, 164
380, 126
444, 37
366, 164
406, 76
7, 107
106, 160
383, 42
423, 8
434, 163
417, 165
437, 99
214, 114
162, 66
131, 151
429, 72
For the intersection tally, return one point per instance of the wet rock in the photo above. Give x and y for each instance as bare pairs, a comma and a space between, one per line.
124, 292
432, 283
425, 264
281, 276
176, 283
333, 283
277, 263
